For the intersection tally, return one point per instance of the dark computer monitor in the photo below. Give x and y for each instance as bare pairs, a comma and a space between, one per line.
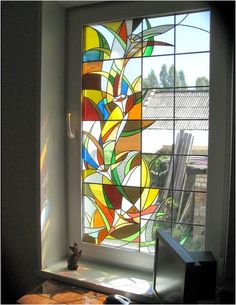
178, 275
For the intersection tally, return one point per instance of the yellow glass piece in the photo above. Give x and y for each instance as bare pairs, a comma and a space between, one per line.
136, 85
145, 175
105, 74
88, 172
116, 114
94, 95
121, 223
105, 180
109, 94
108, 126
91, 38
113, 25
109, 90
148, 196
97, 190
112, 136
113, 166
119, 64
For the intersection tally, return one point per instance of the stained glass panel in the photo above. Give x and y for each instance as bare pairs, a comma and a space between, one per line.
145, 108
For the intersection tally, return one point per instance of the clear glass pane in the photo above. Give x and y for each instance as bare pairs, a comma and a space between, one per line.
156, 72
160, 170
193, 32
191, 137
195, 68
200, 20
148, 235
192, 238
159, 35
189, 207
190, 173
192, 104
158, 104
158, 138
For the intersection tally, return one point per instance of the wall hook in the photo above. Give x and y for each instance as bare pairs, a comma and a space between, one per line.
72, 134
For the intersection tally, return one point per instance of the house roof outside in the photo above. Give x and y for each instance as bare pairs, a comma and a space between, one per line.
191, 109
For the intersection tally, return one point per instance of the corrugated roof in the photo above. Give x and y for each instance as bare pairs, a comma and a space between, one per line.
189, 109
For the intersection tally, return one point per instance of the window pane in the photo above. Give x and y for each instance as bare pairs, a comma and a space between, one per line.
192, 32
190, 237
158, 104
156, 72
190, 173
192, 104
148, 236
160, 170
158, 138
191, 137
162, 29
194, 66
189, 207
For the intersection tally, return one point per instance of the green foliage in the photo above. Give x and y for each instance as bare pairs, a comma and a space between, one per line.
202, 81
168, 78
151, 81
164, 76
182, 81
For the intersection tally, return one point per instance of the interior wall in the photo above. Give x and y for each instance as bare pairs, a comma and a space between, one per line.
21, 45
53, 228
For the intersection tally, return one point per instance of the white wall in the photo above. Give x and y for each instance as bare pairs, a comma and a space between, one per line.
52, 134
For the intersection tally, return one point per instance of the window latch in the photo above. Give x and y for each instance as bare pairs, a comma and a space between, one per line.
72, 134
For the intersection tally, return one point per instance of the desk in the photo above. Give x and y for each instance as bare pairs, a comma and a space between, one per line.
54, 292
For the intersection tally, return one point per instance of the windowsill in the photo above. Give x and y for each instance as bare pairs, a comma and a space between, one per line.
108, 279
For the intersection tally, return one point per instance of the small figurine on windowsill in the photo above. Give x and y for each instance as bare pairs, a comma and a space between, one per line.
74, 257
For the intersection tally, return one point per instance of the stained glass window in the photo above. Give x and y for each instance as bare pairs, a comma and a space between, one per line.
145, 94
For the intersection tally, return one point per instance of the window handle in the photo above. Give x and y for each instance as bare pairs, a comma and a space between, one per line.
72, 134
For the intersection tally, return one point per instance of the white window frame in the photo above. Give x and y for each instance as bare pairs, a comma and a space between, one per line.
220, 128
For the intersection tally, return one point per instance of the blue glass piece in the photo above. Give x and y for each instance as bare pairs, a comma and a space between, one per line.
102, 107
91, 56
124, 87
87, 158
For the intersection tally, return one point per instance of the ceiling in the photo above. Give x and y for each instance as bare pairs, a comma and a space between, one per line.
67, 4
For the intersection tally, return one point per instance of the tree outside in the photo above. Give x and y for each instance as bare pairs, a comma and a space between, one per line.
170, 78
202, 81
